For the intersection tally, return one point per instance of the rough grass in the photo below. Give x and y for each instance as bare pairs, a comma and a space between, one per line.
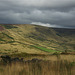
43, 67
45, 39
9, 26
25, 55
8, 36
1, 39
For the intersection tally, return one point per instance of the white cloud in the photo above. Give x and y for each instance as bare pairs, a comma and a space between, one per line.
44, 24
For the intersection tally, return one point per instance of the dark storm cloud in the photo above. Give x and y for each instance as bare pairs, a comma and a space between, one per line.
54, 13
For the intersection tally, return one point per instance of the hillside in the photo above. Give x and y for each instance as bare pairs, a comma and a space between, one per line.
35, 39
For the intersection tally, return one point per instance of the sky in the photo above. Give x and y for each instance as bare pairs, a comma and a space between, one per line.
50, 13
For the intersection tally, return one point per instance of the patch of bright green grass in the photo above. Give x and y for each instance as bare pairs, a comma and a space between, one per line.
44, 49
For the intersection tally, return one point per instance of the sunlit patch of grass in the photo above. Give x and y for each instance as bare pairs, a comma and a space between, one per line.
44, 49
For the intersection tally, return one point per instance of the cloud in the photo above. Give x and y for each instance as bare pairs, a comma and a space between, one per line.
45, 24
55, 13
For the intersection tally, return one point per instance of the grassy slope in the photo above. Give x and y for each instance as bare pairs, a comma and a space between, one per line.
35, 39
